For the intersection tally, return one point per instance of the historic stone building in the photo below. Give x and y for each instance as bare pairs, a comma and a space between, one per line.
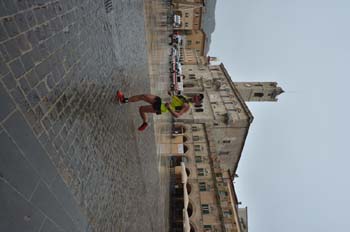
192, 56
190, 18
190, 12
206, 146
191, 27
203, 196
195, 39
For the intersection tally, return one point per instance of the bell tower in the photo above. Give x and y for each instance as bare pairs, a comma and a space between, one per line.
258, 91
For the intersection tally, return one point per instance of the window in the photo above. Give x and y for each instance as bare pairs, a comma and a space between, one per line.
186, 24
226, 99
194, 128
198, 159
192, 76
258, 94
189, 42
205, 209
226, 141
201, 171
207, 228
188, 172
186, 15
223, 193
195, 138
198, 42
188, 85
227, 213
199, 110
223, 203
224, 153
197, 147
229, 106
202, 187
218, 174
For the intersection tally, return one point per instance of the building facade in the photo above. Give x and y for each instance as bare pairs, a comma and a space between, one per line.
190, 56
190, 18
191, 24
203, 195
195, 39
206, 146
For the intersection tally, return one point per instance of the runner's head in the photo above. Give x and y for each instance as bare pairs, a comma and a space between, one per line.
197, 99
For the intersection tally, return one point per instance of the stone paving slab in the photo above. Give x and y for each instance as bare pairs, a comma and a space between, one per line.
17, 213
73, 159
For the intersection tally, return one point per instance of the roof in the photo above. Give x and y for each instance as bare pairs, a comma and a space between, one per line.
235, 90
246, 109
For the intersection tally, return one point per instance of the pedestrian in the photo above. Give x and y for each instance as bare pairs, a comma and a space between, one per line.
178, 105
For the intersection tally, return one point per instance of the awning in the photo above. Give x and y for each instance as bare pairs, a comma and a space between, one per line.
180, 148
177, 130
183, 173
185, 197
187, 227
235, 216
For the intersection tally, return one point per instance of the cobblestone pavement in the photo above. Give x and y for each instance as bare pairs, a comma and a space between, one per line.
70, 158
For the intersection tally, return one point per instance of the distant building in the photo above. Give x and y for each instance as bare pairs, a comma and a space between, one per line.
191, 24
190, 18
195, 39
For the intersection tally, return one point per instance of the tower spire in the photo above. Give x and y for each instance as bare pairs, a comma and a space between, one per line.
259, 91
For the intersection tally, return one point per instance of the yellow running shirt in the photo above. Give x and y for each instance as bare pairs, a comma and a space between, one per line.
176, 103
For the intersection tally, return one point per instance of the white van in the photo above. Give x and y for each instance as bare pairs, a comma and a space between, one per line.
178, 68
177, 21
180, 84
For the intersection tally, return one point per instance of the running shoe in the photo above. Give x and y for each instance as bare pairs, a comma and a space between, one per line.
143, 126
120, 97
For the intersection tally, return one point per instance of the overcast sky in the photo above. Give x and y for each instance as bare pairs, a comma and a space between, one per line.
295, 167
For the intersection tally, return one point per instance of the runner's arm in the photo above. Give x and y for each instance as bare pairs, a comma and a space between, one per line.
184, 109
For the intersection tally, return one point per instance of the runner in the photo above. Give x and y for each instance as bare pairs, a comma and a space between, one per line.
178, 106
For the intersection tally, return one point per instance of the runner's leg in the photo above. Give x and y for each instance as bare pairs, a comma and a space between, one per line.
143, 97
145, 109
